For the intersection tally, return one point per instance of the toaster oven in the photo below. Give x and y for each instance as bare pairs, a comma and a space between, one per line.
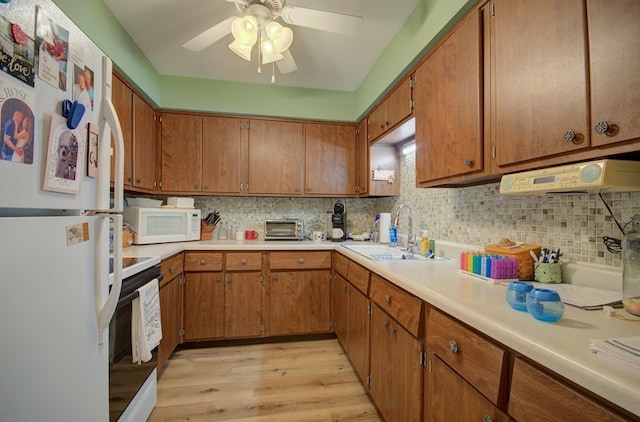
284, 229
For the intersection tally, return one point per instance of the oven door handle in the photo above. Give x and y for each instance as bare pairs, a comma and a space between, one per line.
106, 309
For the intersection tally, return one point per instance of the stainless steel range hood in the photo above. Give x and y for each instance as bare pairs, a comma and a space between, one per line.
589, 177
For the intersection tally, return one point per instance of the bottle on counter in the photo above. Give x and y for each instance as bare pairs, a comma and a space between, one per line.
631, 268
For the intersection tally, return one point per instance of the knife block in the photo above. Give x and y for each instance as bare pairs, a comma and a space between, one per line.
206, 231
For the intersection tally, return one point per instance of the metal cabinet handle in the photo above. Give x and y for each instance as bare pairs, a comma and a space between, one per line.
387, 298
488, 418
218, 279
345, 287
602, 127
229, 279
138, 180
203, 262
243, 262
385, 323
275, 277
569, 136
392, 330
196, 187
453, 346
301, 260
468, 162
171, 270
205, 187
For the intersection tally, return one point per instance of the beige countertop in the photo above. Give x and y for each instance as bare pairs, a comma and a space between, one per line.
562, 347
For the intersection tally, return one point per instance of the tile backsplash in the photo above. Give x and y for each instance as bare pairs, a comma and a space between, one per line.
476, 215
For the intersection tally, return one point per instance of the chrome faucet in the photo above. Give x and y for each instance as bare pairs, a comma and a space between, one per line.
410, 237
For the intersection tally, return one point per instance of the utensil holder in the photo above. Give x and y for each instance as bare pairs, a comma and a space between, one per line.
206, 231
548, 272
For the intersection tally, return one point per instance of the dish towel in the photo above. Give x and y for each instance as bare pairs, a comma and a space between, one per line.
146, 330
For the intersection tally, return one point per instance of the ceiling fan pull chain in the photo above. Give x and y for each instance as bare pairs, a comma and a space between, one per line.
259, 58
273, 72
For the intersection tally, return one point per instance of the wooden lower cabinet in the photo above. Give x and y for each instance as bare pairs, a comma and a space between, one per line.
300, 302
203, 306
351, 324
448, 397
171, 300
396, 369
537, 395
243, 304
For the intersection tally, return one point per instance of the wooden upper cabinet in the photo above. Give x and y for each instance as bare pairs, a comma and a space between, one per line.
144, 145
330, 159
614, 43
362, 159
540, 76
276, 157
181, 152
449, 105
392, 110
223, 143
122, 98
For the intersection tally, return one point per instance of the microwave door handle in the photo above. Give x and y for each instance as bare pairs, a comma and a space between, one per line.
105, 310
110, 125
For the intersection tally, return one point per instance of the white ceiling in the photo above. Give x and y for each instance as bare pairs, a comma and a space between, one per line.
325, 60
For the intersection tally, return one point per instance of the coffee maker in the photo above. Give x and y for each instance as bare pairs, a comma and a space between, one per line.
339, 221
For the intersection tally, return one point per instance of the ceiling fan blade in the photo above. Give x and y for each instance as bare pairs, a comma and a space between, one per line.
319, 19
210, 36
286, 64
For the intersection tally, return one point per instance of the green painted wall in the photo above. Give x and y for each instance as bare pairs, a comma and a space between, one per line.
428, 21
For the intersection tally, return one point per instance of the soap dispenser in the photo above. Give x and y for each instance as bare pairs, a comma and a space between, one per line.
424, 242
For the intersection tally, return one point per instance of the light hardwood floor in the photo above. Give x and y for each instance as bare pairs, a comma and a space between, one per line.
293, 381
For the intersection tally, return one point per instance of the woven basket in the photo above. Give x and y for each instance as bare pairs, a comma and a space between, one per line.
519, 253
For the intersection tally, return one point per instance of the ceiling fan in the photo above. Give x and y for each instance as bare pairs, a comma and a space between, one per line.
259, 23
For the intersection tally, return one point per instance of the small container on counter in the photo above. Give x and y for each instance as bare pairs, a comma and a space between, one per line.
517, 293
545, 305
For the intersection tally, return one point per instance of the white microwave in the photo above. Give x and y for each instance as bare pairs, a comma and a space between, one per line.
161, 225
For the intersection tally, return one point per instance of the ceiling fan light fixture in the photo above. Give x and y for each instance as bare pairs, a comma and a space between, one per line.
245, 30
241, 50
282, 38
269, 53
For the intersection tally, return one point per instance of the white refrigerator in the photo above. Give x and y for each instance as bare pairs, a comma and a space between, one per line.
56, 209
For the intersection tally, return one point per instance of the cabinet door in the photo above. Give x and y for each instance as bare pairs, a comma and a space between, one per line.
203, 306
406, 375
448, 97
300, 302
398, 104
448, 397
359, 329
341, 311
144, 145
122, 98
540, 79
330, 159
243, 305
380, 387
171, 313
377, 122
276, 157
222, 147
181, 152
614, 42
362, 159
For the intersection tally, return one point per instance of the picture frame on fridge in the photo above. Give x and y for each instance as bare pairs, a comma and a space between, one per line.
66, 155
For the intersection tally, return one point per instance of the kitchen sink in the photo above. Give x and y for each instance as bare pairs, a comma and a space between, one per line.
378, 252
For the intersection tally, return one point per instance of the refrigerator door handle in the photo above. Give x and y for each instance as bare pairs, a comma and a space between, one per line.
110, 125
107, 308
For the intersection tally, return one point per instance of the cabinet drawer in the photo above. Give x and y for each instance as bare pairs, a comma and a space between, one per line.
203, 261
341, 264
171, 267
400, 305
241, 261
359, 277
530, 387
296, 260
482, 363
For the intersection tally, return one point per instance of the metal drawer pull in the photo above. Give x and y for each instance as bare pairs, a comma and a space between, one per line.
387, 298
203, 262
488, 418
453, 346
392, 330
385, 323
243, 262
301, 260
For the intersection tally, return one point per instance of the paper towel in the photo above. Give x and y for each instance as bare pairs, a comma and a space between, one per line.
383, 226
